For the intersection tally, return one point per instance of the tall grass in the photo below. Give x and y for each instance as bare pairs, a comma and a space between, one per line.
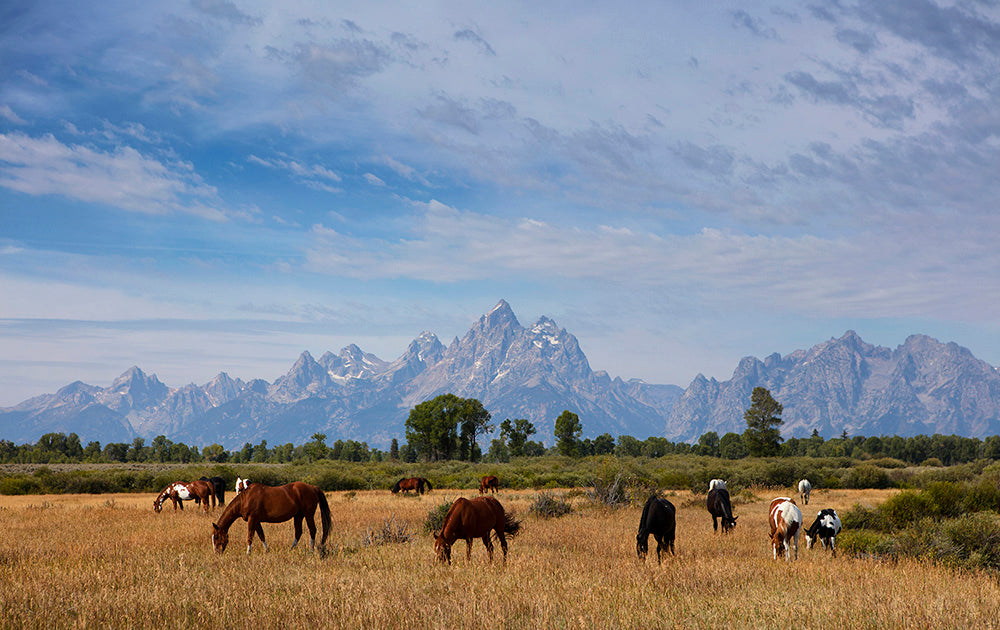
108, 561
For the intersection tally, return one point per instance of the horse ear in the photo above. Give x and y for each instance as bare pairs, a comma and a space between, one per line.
215, 527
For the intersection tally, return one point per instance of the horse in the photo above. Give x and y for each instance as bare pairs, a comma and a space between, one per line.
219, 487
241, 484
659, 518
274, 504
785, 519
178, 492
413, 483
489, 483
474, 518
804, 489
825, 528
719, 507
717, 484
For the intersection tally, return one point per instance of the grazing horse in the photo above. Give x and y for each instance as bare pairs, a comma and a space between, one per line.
219, 487
413, 483
659, 518
804, 489
241, 484
474, 518
717, 484
786, 522
489, 483
720, 507
274, 504
825, 528
179, 492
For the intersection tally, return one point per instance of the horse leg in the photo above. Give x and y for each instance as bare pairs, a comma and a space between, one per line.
659, 547
298, 529
259, 529
715, 523
311, 524
503, 545
468, 549
489, 546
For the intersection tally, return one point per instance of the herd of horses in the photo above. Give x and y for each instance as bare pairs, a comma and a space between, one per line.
482, 517
784, 518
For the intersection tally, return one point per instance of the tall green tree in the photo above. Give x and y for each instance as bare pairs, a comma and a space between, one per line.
567, 432
446, 426
473, 421
516, 434
763, 418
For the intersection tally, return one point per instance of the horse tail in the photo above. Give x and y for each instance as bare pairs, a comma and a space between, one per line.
324, 516
429, 486
511, 525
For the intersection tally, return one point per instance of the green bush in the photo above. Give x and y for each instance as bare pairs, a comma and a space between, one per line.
435, 517
550, 505
866, 476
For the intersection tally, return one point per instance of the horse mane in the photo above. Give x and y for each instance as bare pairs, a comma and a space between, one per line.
395, 488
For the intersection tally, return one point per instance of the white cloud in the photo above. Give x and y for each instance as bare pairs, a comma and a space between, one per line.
122, 178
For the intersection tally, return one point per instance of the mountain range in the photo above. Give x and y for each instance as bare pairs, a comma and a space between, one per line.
923, 386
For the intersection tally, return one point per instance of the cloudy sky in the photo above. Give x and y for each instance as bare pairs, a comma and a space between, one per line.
211, 185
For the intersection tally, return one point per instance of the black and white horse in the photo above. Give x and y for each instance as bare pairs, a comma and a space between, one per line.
659, 518
720, 508
825, 529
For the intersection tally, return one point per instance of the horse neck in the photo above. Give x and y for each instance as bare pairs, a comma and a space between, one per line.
232, 512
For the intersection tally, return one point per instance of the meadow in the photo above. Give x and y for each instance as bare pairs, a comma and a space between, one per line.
71, 561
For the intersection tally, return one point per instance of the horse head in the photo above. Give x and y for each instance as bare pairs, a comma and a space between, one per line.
728, 523
442, 550
157, 505
641, 545
220, 538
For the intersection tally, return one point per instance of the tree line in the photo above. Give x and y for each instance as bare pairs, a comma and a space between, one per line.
448, 428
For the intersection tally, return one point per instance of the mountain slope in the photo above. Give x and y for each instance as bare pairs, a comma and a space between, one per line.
533, 372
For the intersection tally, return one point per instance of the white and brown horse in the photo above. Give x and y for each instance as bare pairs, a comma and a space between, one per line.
179, 492
785, 519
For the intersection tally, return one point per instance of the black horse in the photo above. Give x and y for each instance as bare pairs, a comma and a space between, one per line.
219, 485
659, 518
719, 507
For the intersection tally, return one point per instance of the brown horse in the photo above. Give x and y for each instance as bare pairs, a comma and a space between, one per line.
413, 483
489, 483
266, 504
179, 492
475, 518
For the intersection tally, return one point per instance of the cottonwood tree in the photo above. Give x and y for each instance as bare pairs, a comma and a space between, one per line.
567, 433
516, 434
446, 426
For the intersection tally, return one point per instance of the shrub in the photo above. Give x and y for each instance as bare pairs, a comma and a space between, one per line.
435, 517
390, 532
614, 493
550, 505
866, 476
904, 509
862, 517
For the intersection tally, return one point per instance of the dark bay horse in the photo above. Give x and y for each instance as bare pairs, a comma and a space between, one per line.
475, 518
219, 486
179, 492
659, 518
266, 504
489, 483
413, 483
720, 507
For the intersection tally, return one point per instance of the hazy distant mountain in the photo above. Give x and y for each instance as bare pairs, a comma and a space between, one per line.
532, 372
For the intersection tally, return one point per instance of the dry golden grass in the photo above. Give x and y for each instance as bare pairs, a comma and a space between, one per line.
109, 561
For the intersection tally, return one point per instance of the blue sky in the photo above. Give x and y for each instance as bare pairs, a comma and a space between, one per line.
194, 187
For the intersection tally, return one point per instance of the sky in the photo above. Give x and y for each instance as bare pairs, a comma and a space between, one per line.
206, 186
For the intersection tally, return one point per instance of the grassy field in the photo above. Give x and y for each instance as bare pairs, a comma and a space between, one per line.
109, 561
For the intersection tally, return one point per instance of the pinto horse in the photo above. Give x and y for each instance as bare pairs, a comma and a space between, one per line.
274, 504
413, 483
720, 508
785, 519
474, 518
179, 492
659, 518
489, 483
804, 489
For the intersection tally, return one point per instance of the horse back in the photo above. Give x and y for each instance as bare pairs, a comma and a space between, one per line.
718, 502
473, 518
